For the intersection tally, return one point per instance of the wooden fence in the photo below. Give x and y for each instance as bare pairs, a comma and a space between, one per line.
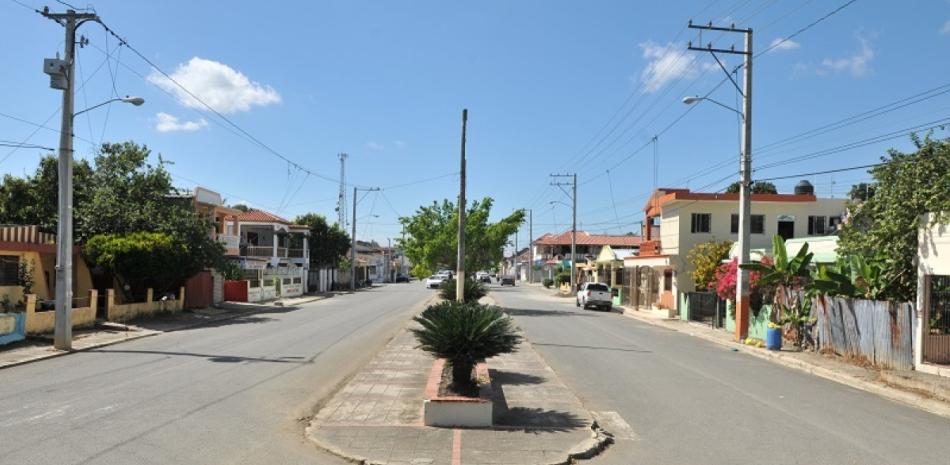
879, 332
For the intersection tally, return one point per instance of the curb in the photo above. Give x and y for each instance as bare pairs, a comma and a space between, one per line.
84, 349
913, 400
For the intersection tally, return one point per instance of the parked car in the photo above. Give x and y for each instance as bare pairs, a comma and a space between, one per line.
506, 281
445, 274
401, 278
435, 281
595, 295
485, 279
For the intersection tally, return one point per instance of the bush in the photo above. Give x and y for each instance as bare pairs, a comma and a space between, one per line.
463, 334
474, 290
563, 277
548, 282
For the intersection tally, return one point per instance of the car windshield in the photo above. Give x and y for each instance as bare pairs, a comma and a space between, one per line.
597, 287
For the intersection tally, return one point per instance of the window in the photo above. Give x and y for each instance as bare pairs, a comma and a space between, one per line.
252, 238
9, 264
668, 280
758, 224
597, 287
816, 225
297, 281
833, 222
700, 223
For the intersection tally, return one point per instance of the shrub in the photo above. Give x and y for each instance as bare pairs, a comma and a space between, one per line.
474, 290
563, 277
548, 282
463, 334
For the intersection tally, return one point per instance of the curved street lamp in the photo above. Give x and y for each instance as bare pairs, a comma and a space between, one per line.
696, 99
137, 101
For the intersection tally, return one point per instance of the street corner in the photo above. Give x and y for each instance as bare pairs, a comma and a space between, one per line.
378, 416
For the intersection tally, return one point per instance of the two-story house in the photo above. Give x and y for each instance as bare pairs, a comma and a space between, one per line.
551, 250
686, 218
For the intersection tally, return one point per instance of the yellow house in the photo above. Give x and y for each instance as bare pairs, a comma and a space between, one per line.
27, 246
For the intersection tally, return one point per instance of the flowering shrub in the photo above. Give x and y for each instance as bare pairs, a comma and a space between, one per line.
724, 283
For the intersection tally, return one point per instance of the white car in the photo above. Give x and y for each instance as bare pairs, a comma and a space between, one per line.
595, 295
435, 281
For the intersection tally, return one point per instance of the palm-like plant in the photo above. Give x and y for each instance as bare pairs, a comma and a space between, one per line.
788, 276
464, 333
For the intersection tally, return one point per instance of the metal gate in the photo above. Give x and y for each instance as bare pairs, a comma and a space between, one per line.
706, 307
647, 290
199, 290
936, 319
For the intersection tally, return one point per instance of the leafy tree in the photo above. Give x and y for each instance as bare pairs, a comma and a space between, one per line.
464, 333
33, 199
706, 257
328, 242
861, 191
242, 207
144, 259
432, 236
758, 187
886, 225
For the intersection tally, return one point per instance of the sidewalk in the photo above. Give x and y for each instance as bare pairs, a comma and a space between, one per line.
377, 416
36, 348
920, 390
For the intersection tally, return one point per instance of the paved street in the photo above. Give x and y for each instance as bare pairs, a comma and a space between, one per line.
688, 401
228, 393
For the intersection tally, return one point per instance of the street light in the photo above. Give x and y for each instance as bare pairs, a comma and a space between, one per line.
137, 101
63, 328
696, 99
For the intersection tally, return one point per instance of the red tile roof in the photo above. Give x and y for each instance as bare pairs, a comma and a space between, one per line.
585, 238
261, 216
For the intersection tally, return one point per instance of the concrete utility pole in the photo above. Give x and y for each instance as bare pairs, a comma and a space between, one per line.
353, 238
62, 76
460, 268
745, 163
530, 247
573, 196
341, 201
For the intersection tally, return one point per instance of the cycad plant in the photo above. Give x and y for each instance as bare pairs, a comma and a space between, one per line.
474, 290
464, 333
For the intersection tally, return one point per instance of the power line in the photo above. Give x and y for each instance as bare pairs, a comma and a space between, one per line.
805, 28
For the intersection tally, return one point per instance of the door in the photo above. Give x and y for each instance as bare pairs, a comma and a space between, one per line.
786, 229
936, 319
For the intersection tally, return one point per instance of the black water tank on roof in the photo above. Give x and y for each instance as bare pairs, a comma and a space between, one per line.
804, 188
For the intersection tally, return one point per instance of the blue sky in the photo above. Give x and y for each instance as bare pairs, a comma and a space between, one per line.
386, 83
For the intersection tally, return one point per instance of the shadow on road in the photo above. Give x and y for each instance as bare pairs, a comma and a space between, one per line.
539, 312
571, 346
210, 357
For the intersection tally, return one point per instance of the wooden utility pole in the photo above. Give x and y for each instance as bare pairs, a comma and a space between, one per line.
460, 268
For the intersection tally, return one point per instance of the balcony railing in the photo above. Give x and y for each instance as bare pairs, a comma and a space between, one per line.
295, 253
263, 251
229, 242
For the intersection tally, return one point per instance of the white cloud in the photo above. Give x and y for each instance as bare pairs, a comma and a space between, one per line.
399, 143
858, 64
781, 45
374, 146
170, 123
945, 30
666, 63
217, 84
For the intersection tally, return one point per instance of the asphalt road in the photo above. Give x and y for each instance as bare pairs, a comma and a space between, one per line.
688, 401
230, 393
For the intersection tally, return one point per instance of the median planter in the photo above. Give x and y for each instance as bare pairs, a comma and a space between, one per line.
442, 408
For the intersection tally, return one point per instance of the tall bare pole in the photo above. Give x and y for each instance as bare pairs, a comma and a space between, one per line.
745, 163
574, 236
460, 268
353, 247
63, 328
341, 201
530, 247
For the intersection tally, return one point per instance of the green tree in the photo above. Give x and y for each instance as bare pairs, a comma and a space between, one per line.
861, 191
758, 187
328, 242
432, 236
886, 225
33, 199
706, 257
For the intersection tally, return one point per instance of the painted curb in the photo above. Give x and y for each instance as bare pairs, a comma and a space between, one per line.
935, 407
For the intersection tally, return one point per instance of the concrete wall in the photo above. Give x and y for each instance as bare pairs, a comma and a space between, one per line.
44, 276
933, 258
125, 312
41, 322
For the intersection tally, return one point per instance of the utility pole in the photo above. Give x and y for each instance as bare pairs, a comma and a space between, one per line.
341, 201
530, 247
515, 255
62, 76
460, 268
573, 196
353, 238
745, 164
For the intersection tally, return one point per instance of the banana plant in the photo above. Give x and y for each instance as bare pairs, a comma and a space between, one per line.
788, 276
